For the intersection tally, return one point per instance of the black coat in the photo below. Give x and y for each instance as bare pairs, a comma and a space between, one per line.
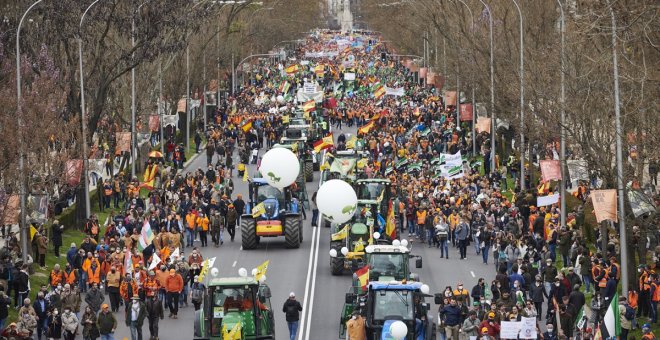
537, 293
56, 234
41, 313
292, 309
4, 302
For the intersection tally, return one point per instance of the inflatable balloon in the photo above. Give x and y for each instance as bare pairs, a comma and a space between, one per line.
242, 272
398, 330
336, 200
280, 167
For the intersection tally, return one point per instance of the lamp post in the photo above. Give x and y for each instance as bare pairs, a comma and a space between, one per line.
492, 89
562, 142
82, 113
619, 158
522, 100
22, 191
161, 108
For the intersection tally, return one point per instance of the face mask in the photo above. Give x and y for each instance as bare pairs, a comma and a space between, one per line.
55, 312
460, 287
557, 284
515, 285
538, 284
498, 286
550, 329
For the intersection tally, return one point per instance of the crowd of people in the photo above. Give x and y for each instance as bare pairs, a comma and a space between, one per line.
120, 276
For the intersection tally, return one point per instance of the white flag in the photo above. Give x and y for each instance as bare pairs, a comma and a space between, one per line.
155, 260
175, 254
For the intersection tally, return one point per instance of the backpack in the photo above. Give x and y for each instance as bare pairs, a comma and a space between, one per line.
196, 294
502, 256
630, 313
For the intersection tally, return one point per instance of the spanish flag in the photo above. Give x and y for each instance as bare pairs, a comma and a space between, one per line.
363, 278
293, 69
380, 92
309, 106
364, 129
246, 126
324, 143
149, 176
390, 225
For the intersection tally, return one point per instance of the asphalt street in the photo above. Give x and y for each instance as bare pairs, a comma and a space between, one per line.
306, 272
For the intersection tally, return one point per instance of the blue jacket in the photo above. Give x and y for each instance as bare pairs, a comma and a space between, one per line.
516, 277
70, 255
452, 315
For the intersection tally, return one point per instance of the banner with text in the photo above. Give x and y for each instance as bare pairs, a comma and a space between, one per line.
604, 202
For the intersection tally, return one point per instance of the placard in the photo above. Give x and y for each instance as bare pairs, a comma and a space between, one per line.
509, 329
528, 328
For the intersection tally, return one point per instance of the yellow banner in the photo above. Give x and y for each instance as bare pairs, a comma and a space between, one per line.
340, 235
258, 209
261, 270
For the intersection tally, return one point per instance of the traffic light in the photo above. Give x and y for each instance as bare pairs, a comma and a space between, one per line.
383, 57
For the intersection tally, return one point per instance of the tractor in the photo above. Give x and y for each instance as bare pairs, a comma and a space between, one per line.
386, 302
296, 141
389, 262
348, 243
235, 308
280, 217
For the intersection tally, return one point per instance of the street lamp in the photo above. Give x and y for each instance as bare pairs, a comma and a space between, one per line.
21, 154
82, 113
619, 158
562, 142
522, 101
492, 89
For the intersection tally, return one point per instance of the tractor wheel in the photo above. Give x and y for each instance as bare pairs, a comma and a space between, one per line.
249, 233
292, 232
317, 166
336, 266
309, 171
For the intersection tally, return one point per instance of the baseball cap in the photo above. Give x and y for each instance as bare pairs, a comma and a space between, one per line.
292, 294
104, 306
73, 244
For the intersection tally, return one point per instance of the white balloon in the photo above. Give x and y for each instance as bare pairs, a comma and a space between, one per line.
376, 235
425, 289
336, 200
404, 242
396, 243
262, 279
333, 252
369, 249
398, 330
215, 272
280, 167
254, 271
242, 272
344, 250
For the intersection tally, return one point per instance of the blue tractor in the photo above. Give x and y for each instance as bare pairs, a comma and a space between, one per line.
276, 214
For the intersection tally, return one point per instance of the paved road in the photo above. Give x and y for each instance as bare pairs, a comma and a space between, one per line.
308, 275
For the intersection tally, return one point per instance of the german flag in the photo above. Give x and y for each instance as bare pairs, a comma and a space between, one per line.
246, 126
363, 278
364, 129
324, 143
293, 69
309, 106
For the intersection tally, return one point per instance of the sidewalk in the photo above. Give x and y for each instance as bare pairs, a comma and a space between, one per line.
15, 227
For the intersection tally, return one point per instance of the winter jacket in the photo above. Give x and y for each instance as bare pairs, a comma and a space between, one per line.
174, 283
69, 322
292, 309
94, 298
142, 313
154, 309
106, 323
452, 315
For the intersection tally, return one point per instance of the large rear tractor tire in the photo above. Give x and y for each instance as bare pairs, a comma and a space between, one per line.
309, 171
249, 238
336, 266
292, 232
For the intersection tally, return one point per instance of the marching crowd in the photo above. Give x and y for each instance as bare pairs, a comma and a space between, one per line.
120, 271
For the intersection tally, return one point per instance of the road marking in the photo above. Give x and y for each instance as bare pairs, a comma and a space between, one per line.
313, 286
234, 265
307, 280
471, 272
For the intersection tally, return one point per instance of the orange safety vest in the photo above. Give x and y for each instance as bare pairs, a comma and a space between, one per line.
55, 278
656, 292
70, 277
633, 296
603, 282
618, 271
94, 276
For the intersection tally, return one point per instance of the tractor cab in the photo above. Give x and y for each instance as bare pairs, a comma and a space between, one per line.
235, 308
388, 301
391, 262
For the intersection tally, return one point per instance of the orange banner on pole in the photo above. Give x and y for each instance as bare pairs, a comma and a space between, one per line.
550, 170
123, 141
430, 78
604, 205
154, 122
466, 112
422, 72
450, 98
74, 168
483, 124
9, 209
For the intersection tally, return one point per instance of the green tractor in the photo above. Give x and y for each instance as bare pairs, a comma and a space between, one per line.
388, 262
235, 308
347, 245
296, 141
384, 303
280, 216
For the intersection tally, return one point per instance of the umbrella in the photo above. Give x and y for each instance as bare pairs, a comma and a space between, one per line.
155, 154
